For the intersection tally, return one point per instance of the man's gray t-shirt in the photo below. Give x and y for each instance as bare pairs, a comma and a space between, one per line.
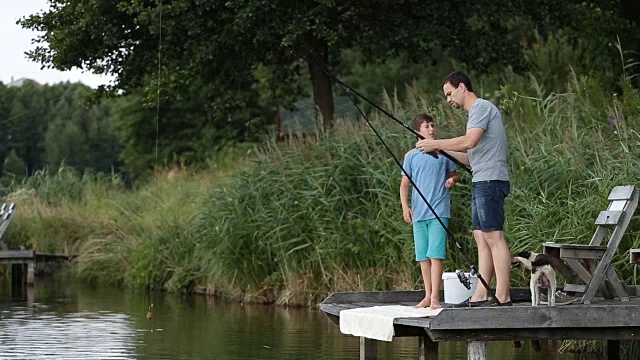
488, 159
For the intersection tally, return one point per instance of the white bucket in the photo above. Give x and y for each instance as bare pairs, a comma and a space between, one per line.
454, 291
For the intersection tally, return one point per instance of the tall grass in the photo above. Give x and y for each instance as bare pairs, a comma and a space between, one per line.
294, 221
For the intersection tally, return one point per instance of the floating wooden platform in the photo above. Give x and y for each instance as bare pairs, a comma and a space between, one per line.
611, 320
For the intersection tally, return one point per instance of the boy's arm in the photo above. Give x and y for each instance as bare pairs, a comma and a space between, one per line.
452, 180
405, 185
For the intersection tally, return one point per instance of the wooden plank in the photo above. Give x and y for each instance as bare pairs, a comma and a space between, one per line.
574, 246
368, 349
375, 296
574, 288
596, 252
17, 254
579, 270
634, 256
617, 285
621, 192
602, 287
335, 308
617, 333
427, 348
598, 236
608, 217
476, 350
570, 316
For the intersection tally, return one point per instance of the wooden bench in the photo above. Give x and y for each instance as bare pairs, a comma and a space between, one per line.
6, 215
587, 267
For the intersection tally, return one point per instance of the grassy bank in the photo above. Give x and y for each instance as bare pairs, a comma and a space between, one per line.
292, 222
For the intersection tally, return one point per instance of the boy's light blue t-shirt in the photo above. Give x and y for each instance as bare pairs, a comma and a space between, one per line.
429, 174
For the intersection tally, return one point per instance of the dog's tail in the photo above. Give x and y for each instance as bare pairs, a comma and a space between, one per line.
544, 259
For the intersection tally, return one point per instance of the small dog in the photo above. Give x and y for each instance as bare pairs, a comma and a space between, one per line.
542, 274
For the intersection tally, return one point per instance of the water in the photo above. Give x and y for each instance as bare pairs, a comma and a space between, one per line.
61, 320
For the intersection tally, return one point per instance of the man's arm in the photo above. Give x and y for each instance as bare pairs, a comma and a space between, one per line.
462, 157
460, 143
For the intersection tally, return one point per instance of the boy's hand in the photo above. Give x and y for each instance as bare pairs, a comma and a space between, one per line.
407, 214
449, 183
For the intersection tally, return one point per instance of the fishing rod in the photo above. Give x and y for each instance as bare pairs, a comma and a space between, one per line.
349, 89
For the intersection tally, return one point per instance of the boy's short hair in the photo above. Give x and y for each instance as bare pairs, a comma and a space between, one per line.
417, 121
456, 78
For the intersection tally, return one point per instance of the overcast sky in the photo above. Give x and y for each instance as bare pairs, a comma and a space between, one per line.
14, 41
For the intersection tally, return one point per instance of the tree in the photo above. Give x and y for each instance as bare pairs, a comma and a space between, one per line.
167, 44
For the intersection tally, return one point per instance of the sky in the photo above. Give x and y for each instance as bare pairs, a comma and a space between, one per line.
15, 41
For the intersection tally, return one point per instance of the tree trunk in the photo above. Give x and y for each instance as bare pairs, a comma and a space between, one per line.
322, 90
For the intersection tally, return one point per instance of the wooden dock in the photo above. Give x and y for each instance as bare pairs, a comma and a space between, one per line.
23, 263
609, 320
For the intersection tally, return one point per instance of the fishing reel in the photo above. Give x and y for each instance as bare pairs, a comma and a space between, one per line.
464, 279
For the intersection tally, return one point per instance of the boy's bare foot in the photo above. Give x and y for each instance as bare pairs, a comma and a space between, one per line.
435, 304
425, 303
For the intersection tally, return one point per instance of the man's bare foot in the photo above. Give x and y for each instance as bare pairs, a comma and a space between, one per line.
425, 303
435, 304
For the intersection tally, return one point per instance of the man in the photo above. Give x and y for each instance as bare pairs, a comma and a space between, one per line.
484, 147
434, 177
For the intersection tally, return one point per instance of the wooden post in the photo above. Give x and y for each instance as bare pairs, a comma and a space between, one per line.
428, 348
611, 350
368, 349
31, 280
476, 350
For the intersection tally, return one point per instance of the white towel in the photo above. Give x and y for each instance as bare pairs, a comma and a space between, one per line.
376, 322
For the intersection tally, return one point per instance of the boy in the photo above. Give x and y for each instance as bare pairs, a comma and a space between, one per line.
434, 177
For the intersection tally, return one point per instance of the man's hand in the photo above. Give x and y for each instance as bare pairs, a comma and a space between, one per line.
407, 214
426, 146
450, 182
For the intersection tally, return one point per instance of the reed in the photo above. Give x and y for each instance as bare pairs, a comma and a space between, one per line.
291, 222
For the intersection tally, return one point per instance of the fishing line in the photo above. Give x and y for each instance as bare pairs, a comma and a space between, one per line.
158, 94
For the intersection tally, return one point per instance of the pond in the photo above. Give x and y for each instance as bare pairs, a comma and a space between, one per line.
67, 320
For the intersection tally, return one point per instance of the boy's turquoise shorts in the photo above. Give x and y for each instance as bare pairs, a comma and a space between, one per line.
430, 239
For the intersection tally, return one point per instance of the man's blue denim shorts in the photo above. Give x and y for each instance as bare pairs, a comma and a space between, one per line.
487, 204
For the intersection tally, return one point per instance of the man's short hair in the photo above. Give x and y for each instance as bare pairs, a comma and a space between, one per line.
456, 78
417, 121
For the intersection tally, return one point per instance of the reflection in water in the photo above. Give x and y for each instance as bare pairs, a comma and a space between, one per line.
61, 320
26, 334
